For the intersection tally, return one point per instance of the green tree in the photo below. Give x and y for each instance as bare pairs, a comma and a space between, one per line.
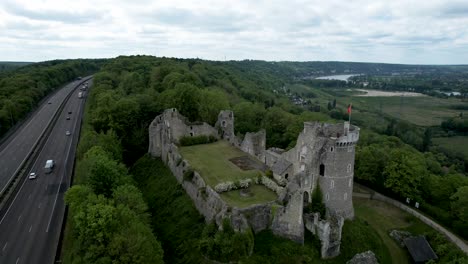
131, 197
211, 103
248, 117
370, 163
105, 174
187, 101
460, 203
427, 140
404, 173
95, 226
134, 241
317, 204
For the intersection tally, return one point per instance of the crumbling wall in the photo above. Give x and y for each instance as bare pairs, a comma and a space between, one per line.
206, 200
254, 144
271, 157
288, 222
258, 216
225, 126
328, 231
323, 155
169, 127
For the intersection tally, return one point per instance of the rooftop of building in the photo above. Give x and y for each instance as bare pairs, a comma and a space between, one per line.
419, 249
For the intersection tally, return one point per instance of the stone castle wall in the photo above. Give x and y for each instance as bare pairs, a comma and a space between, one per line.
323, 155
165, 130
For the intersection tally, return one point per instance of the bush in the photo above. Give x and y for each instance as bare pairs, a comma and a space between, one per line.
269, 174
226, 245
317, 204
179, 225
197, 140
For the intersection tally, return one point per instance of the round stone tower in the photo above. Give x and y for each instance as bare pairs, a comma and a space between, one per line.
335, 168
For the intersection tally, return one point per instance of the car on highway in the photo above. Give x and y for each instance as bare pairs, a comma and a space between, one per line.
67, 133
32, 175
69, 112
49, 102
68, 118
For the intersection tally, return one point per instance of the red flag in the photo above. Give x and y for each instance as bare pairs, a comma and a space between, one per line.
349, 108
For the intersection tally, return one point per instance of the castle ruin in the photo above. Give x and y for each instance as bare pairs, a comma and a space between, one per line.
323, 156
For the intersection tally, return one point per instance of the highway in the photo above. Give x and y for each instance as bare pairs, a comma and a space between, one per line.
14, 151
30, 225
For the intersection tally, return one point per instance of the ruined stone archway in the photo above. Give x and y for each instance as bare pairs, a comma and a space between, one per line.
305, 197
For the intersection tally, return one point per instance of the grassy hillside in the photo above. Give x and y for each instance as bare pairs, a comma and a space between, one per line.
457, 144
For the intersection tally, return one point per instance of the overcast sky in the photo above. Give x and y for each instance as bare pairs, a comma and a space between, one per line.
394, 31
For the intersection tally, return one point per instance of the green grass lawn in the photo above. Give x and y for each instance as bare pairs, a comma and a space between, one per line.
260, 194
212, 162
382, 218
423, 111
457, 144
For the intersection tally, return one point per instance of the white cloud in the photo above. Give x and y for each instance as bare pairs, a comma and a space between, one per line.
398, 31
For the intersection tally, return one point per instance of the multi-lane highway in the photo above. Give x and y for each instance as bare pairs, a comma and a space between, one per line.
14, 151
30, 224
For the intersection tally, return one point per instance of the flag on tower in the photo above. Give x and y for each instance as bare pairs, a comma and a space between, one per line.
349, 108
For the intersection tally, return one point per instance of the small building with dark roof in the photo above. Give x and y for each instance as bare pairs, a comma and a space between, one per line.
419, 249
282, 169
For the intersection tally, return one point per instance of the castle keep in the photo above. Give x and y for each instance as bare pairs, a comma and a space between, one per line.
323, 156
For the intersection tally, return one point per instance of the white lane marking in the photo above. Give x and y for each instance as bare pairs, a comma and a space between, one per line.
17, 260
30, 229
4, 247
19, 218
29, 197
61, 179
19, 191
32, 147
16, 196
39, 205
46, 187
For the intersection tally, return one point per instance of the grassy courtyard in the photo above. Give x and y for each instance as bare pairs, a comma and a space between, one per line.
212, 162
259, 194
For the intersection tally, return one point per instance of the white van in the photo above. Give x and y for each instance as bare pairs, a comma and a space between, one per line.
49, 166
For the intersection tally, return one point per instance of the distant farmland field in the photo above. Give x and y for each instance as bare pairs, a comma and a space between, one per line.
422, 111
458, 143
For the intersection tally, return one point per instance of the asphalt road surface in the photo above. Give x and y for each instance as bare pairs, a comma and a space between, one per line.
30, 226
14, 151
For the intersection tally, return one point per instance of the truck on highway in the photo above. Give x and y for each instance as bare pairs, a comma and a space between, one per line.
80, 95
49, 166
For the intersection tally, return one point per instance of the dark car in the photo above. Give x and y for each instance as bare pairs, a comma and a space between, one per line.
69, 112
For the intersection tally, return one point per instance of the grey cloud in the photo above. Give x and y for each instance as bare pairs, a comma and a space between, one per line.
67, 17
215, 22
453, 9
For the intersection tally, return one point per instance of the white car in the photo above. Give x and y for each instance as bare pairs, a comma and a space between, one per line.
67, 133
32, 175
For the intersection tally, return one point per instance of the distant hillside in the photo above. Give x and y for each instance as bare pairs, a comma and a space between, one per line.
311, 69
10, 65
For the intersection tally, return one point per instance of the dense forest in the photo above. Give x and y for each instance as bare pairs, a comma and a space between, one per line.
11, 65
129, 92
23, 88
